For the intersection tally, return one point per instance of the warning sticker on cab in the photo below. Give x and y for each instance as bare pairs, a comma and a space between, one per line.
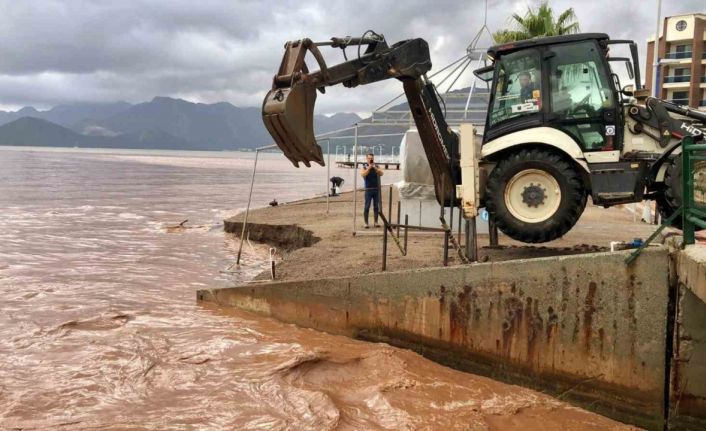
525, 107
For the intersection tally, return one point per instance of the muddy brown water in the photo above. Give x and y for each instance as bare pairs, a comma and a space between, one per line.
99, 328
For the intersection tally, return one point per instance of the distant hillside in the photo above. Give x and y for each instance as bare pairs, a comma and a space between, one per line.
166, 122
180, 123
28, 131
214, 126
68, 115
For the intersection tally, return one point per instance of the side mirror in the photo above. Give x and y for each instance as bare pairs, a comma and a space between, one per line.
485, 73
628, 90
631, 71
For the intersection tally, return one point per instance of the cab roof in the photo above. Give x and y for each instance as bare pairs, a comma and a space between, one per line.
506, 48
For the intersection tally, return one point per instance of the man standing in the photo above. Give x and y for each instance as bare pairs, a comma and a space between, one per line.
371, 174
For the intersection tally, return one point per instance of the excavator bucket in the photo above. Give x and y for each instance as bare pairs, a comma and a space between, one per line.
288, 114
288, 109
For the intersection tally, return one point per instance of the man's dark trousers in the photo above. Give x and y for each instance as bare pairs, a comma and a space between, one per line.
371, 195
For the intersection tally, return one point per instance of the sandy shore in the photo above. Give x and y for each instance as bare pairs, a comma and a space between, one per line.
337, 252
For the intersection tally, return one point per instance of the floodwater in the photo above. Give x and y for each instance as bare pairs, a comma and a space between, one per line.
99, 327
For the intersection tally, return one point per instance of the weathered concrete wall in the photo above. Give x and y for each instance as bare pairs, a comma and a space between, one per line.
688, 383
284, 236
586, 327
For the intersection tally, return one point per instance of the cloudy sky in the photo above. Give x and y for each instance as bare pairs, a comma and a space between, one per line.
66, 51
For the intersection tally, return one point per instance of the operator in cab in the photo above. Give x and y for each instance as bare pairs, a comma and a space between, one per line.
527, 87
371, 174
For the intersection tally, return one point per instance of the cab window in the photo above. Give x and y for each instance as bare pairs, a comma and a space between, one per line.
517, 86
580, 90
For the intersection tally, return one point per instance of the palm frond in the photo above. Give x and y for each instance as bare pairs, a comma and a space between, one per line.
539, 22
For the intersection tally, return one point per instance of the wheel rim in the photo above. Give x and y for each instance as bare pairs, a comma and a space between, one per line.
532, 195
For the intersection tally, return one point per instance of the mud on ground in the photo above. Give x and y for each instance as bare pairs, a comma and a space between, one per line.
333, 250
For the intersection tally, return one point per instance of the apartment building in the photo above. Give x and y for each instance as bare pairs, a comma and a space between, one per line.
682, 60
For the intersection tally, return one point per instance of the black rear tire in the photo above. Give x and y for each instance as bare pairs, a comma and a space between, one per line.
671, 198
571, 204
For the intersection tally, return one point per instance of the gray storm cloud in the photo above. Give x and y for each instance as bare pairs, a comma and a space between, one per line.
57, 52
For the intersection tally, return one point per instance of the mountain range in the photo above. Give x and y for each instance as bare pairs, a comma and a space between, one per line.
162, 123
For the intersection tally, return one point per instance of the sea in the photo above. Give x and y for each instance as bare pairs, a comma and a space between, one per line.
101, 252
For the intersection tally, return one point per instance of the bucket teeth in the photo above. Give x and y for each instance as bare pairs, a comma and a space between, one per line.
288, 114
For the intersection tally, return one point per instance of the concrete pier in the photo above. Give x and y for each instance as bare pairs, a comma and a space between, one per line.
586, 328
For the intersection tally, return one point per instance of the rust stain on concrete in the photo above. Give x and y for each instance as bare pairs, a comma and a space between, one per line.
588, 310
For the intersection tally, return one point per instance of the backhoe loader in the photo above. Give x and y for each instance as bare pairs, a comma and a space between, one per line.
559, 127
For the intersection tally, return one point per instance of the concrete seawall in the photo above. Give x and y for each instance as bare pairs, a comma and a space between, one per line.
688, 380
586, 328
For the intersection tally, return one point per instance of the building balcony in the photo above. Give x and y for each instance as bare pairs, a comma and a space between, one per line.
673, 79
678, 55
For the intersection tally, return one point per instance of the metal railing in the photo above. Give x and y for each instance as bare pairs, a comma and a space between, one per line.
692, 212
694, 188
678, 55
673, 79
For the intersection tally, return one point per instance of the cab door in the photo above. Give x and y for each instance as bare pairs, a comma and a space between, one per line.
582, 99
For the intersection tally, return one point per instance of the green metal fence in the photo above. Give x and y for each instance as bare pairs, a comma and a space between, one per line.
694, 189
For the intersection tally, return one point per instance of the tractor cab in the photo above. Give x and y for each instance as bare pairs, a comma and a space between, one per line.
564, 83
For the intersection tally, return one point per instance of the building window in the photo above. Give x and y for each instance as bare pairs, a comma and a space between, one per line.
679, 51
679, 74
680, 97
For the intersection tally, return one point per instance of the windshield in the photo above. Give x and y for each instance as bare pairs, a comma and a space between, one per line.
517, 87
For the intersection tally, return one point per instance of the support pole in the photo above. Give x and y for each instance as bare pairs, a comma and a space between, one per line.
446, 232
493, 233
460, 218
328, 172
406, 223
247, 209
472, 240
389, 204
446, 248
399, 210
687, 183
451, 213
655, 57
384, 248
355, 178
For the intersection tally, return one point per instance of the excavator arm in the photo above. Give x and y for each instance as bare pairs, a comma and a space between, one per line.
288, 108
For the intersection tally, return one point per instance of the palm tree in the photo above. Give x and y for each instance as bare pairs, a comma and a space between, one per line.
538, 23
